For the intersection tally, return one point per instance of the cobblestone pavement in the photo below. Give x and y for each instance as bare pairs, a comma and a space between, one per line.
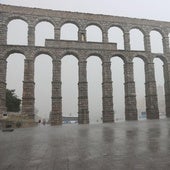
130, 145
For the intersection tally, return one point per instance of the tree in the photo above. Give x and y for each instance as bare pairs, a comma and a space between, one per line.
12, 101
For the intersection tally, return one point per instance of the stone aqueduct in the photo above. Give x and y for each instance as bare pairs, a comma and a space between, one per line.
57, 48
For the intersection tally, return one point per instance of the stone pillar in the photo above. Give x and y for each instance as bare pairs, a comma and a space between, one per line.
126, 41
166, 68
3, 34
151, 92
57, 33
165, 42
147, 43
130, 92
108, 114
56, 113
28, 89
3, 65
82, 35
105, 37
31, 36
83, 112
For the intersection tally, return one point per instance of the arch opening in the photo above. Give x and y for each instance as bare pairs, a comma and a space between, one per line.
139, 78
94, 79
15, 74
69, 78
118, 88
43, 89
93, 33
43, 30
115, 35
159, 77
69, 31
156, 42
17, 32
136, 40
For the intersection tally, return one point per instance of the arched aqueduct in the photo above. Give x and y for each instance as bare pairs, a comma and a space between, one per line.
81, 48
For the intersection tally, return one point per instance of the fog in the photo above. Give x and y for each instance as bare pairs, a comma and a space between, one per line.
157, 10
151, 9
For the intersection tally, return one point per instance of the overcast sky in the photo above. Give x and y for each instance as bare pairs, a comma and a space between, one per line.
147, 9
152, 9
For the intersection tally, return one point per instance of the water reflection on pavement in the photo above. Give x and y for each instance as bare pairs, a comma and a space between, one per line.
139, 145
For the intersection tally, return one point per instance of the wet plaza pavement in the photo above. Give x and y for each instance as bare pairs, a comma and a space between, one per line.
139, 145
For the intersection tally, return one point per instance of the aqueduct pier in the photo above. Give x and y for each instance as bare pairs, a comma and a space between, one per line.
82, 49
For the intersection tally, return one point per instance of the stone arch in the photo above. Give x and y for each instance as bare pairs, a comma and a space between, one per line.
17, 32
69, 79
166, 84
93, 32
139, 79
43, 79
65, 30
142, 57
15, 17
117, 67
96, 54
156, 36
12, 51
69, 22
41, 35
95, 24
138, 28
15, 72
115, 34
44, 19
120, 56
94, 79
160, 76
162, 58
161, 32
121, 27
136, 39
45, 52
15, 52
70, 52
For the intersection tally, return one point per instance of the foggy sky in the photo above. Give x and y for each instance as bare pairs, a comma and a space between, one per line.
152, 9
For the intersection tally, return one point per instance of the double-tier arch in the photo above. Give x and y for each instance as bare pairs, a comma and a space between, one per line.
81, 49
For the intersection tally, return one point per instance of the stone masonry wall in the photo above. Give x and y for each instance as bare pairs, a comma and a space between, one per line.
82, 49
